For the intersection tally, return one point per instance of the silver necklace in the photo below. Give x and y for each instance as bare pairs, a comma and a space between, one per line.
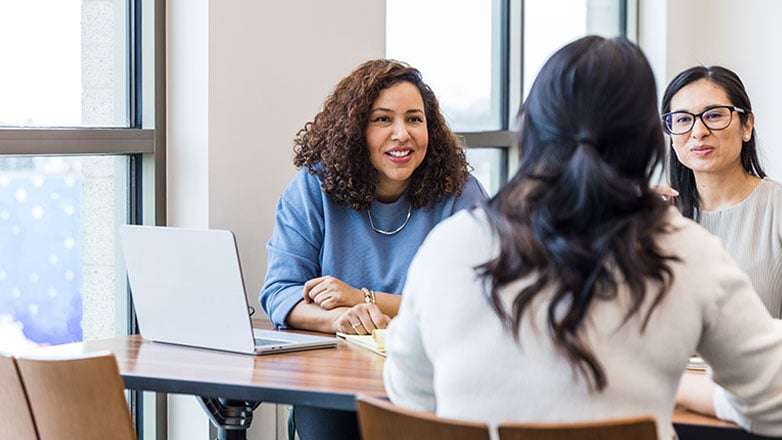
380, 231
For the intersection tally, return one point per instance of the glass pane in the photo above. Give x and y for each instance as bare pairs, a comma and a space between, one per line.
452, 43
541, 39
69, 63
573, 18
489, 166
58, 280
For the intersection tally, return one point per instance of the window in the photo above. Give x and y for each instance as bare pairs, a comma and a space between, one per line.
71, 59
76, 132
481, 56
462, 57
57, 278
76, 129
465, 71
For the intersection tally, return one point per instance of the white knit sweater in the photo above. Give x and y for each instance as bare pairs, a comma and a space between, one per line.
447, 351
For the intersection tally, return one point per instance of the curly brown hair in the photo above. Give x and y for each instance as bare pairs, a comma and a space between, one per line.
334, 147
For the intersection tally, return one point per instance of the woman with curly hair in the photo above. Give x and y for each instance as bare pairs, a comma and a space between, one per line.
379, 168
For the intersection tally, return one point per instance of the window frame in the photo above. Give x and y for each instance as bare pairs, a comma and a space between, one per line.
511, 72
143, 142
145, 146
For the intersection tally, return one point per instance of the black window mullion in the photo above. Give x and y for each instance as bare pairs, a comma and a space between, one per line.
504, 63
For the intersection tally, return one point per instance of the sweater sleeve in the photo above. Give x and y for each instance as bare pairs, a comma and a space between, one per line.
743, 346
408, 372
293, 251
472, 194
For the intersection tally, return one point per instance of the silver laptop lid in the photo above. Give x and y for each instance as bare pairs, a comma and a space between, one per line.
187, 289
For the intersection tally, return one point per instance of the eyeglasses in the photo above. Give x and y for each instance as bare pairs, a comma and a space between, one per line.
715, 118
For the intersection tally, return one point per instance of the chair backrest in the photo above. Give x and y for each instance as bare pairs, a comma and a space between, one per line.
640, 428
77, 398
380, 419
16, 420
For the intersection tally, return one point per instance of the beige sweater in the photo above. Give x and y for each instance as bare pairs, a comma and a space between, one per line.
447, 351
752, 234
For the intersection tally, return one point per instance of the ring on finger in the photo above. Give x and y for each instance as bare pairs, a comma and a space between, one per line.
355, 324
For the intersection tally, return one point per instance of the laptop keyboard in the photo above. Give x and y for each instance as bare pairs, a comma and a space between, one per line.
265, 342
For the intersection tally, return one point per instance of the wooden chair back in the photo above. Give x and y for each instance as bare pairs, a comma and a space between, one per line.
640, 428
16, 420
380, 419
77, 398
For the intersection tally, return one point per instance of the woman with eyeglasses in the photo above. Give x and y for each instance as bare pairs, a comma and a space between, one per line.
715, 168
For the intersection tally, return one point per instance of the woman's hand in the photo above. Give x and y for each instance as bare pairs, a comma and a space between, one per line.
666, 192
361, 320
329, 293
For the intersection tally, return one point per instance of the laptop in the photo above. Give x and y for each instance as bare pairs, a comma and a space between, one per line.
187, 289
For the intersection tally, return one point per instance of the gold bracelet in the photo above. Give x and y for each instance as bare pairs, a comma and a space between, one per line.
369, 295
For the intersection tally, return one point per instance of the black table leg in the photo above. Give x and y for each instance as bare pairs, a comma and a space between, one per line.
230, 417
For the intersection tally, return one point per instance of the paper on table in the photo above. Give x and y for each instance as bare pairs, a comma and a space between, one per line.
374, 342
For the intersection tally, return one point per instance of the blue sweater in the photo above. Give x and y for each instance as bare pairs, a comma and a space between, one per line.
313, 237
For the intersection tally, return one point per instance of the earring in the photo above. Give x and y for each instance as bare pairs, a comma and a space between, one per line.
746, 137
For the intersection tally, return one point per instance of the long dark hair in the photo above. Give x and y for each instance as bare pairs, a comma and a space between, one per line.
579, 216
334, 147
681, 177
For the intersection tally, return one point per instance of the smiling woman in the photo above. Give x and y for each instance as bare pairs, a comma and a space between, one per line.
394, 157
379, 169
396, 138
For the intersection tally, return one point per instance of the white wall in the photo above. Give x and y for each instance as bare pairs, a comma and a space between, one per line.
741, 35
243, 77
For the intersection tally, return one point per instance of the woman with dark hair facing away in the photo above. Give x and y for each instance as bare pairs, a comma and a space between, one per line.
576, 293
715, 168
379, 168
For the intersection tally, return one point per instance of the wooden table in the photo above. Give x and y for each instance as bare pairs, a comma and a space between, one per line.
231, 385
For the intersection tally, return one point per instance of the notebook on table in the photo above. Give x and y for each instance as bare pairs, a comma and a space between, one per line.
375, 342
187, 289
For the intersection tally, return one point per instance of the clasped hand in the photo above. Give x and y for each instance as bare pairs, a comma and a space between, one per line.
329, 293
358, 317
